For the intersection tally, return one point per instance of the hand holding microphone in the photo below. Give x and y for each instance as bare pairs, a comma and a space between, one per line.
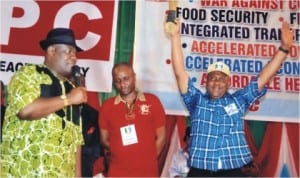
77, 95
170, 25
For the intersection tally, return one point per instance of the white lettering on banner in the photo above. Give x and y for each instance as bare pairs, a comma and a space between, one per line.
30, 17
66, 13
24, 23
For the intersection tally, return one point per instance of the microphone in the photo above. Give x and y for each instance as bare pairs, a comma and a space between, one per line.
76, 109
170, 22
172, 11
76, 75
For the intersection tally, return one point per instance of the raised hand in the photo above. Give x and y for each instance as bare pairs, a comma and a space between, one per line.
287, 34
170, 24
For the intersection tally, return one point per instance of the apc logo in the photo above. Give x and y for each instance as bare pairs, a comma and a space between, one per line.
25, 23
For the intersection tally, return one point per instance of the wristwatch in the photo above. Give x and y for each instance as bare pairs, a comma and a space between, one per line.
64, 97
283, 50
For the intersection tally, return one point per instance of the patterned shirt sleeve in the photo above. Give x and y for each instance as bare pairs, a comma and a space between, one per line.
24, 87
192, 96
251, 92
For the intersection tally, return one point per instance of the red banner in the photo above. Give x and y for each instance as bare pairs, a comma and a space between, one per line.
25, 23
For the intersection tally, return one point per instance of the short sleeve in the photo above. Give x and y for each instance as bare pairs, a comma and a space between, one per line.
24, 87
192, 96
102, 121
251, 92
158, 112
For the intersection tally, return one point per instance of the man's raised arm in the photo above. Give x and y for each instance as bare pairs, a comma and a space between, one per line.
272, 67
178, 59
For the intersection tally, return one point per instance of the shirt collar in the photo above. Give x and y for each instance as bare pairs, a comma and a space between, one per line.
140, 96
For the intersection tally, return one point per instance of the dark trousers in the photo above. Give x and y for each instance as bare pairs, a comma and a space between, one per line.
194, 172
89, 154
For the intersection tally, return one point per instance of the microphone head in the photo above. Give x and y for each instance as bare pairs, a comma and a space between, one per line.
76, 75
76, 71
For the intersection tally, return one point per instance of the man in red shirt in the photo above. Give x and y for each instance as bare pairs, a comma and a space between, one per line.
132, 127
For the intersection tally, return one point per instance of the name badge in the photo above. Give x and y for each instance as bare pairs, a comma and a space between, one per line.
128, 134
231, 109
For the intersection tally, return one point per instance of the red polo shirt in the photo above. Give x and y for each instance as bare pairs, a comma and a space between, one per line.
138, 159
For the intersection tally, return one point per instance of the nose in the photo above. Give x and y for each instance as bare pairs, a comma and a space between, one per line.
122, 83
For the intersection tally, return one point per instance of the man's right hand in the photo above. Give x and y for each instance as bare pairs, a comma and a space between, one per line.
77, 95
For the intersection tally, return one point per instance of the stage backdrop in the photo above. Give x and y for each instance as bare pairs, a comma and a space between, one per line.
24, 23
243, 34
